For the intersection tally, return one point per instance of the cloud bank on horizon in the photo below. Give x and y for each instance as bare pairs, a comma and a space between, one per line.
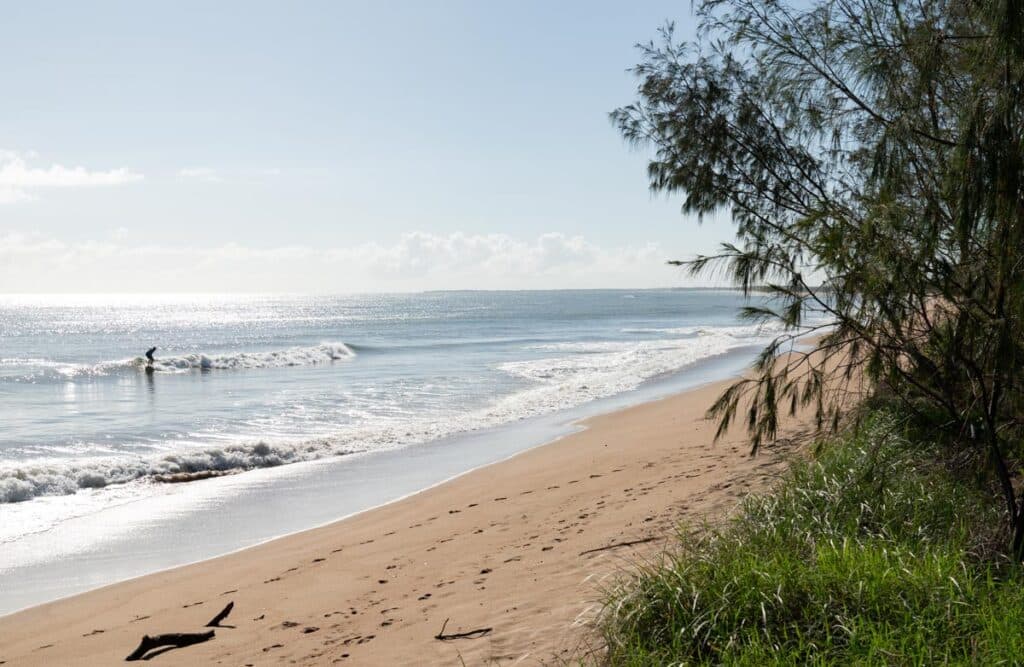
30, 263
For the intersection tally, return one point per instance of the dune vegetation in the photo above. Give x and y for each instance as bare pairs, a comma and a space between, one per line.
871, 155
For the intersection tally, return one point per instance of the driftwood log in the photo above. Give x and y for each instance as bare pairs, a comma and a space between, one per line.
181, 639
174, 640
472, 634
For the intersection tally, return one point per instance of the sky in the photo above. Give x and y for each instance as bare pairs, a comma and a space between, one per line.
330, 147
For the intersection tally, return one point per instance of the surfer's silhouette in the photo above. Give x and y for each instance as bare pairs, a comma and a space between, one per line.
149, 356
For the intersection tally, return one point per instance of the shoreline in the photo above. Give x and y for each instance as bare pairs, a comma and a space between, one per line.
644, 509
191, 523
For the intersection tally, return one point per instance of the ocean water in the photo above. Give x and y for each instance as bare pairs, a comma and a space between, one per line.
250, 383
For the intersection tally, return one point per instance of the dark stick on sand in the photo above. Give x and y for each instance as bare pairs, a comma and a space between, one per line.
616, 545
215, 621
472, 634
174, 640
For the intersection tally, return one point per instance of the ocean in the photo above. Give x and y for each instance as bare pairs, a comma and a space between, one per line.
342, 401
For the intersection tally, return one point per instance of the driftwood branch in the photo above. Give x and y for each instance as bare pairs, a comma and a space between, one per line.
175, 640
472, 634
616, 545
215, 621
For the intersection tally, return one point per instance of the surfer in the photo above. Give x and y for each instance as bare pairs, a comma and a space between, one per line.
149, 357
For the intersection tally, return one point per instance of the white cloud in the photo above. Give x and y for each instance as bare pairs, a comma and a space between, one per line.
19, 180
416, 261
206, 174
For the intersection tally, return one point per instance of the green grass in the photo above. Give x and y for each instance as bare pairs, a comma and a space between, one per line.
872, 553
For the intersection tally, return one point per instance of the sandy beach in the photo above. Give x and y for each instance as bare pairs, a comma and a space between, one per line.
521, 548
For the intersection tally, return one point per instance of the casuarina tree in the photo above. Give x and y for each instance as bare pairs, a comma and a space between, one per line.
871, 155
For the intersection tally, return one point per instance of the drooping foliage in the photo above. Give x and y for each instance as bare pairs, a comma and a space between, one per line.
871, 154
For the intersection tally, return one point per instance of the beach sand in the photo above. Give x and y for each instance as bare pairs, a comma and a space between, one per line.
523, 547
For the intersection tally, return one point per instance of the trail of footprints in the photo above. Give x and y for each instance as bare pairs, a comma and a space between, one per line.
341, 638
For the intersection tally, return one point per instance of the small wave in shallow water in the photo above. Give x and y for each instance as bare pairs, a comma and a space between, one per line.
49, 478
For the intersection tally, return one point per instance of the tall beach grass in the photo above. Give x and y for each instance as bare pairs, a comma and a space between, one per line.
871, 552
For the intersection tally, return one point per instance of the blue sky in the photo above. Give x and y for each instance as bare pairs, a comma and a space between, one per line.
329, 147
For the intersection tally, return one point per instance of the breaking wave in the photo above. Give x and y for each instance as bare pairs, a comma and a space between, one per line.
51, 478
292, 356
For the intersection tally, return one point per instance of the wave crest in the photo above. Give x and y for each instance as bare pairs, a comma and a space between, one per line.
56, 479
293, 356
